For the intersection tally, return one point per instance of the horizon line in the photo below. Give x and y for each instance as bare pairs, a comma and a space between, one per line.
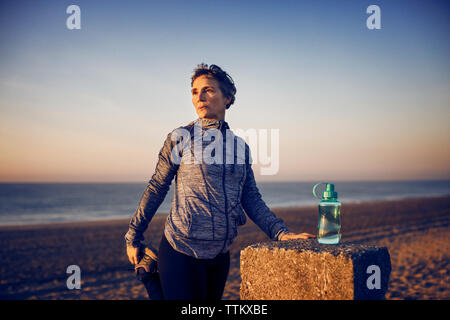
276, 181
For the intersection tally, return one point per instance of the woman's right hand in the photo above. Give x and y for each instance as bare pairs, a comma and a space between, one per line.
291, 235
132, 253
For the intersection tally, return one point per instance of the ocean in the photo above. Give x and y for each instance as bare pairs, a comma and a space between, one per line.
31, 203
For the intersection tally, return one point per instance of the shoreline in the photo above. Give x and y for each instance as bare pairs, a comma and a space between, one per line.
34, 258
116, 221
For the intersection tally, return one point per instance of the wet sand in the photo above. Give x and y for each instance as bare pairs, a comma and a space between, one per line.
34, 259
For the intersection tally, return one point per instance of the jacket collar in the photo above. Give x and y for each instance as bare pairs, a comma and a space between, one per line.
211, 123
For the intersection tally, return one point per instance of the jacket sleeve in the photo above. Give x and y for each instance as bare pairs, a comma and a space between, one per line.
154, 194
257, 209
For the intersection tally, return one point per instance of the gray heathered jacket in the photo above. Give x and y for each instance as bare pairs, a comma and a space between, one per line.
209, 199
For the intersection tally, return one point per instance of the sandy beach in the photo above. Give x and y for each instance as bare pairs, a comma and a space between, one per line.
34, 258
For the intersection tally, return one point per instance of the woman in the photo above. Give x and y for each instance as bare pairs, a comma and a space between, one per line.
210, 196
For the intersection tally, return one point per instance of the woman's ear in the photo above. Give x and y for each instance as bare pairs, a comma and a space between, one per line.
227, 102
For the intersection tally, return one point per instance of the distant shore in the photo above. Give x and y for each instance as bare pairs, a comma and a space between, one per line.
119, 220
34, 257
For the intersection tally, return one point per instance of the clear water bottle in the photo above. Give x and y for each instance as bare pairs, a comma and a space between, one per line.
329, 226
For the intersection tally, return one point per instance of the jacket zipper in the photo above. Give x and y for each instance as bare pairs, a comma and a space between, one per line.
224, 191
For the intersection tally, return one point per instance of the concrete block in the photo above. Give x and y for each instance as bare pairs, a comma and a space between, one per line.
307, 270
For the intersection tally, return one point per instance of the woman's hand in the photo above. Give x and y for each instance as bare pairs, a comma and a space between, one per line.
132, 253
291, 235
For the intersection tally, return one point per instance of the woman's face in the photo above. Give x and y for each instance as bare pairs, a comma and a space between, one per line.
208, 99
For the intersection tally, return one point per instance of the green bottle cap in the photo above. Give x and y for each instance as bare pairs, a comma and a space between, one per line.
328, 193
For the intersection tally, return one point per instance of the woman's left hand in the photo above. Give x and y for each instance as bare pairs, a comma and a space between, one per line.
291, 235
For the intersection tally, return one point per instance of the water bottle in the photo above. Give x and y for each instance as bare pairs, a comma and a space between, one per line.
329, 226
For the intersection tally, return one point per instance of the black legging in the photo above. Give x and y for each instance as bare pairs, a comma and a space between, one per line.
186, 278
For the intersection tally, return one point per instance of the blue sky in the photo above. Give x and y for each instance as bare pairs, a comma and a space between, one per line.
351, 103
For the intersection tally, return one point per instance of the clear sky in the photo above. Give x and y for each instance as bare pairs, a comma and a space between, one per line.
96, 104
